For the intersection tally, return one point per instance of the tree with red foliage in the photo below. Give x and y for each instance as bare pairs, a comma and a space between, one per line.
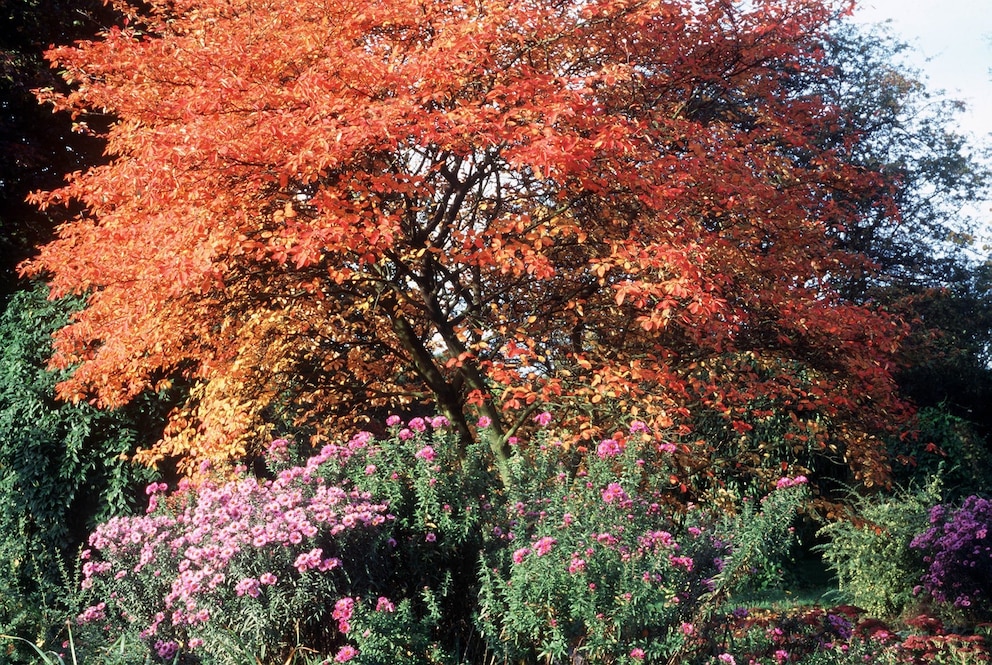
605, 208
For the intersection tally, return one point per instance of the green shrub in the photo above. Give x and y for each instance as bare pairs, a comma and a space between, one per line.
944, 446
63, 467
870, 553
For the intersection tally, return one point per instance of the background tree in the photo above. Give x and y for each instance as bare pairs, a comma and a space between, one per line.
601, 208
928, 267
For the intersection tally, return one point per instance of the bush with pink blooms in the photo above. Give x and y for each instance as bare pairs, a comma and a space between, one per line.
248, 561
398, 550
603, 565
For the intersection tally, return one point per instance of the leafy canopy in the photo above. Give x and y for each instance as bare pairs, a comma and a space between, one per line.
320, 208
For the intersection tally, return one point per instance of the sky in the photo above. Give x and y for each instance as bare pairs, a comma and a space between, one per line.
954, 43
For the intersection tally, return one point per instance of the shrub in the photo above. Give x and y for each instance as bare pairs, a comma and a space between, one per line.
602, 565
247, 561
958, 552
401, 551
870, 553
947, 447
63, 467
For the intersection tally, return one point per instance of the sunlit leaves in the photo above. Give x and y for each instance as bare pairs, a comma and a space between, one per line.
317, 209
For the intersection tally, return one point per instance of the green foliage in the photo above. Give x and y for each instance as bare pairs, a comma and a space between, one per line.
602, 565
62, 468
870, 555
943, 446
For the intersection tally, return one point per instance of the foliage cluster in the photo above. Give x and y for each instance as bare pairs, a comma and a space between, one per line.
870, 552
62, 466
957, 550
841, 635
945, 448
618, 209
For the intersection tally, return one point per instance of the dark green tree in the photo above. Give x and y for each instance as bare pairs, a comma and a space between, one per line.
923, 244
63, 467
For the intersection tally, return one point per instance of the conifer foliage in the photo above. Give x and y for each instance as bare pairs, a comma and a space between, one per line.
317, 208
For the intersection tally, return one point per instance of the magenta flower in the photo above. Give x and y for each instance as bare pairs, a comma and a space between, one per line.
393, 420
614, 492
543, 419
637, 653
518, 556
544, 545
438, 422
384, 605
790, 482
484, 422
726, 658
418, 425
426, 453
608, 448
267, 579
345, 654
638, 426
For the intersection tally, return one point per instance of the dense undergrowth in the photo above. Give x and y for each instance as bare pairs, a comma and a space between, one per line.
394, 549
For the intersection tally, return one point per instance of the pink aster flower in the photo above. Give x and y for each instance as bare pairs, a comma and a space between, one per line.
543, 419
637, 653
426, 453
614, 492
345, 654
638, 426
484, 422
544, 545
608, 448
518, 556
392, 421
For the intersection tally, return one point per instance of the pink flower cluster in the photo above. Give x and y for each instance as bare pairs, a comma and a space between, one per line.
343, 610
608, 448
183, 553
783, 483
614, 492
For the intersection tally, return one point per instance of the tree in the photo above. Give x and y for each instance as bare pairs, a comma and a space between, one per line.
603, 208
927, 268
63, 467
